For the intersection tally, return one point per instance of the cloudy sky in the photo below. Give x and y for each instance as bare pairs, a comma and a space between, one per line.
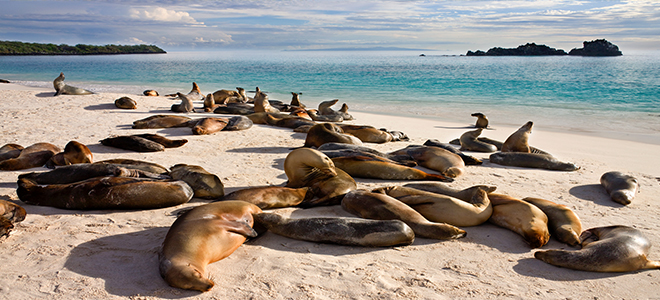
449, 26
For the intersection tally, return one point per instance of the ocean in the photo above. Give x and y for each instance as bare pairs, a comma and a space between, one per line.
616, 97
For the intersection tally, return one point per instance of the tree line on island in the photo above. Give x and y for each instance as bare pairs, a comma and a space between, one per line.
593, 48
20, 48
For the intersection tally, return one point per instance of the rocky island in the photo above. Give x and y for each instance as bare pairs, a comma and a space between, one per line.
599, 47
20, 48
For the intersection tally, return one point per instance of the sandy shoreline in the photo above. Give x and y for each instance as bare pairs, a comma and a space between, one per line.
60, 254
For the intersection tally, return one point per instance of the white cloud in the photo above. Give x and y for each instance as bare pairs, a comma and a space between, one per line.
134, 41
163, 15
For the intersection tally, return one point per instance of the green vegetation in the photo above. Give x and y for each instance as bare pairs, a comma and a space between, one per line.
20, 48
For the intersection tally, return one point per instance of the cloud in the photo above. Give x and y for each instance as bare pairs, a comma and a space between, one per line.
162, 15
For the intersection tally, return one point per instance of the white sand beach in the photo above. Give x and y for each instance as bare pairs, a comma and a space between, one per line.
67, 254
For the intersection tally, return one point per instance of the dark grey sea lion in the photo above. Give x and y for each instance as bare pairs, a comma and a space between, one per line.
35, 155
10, 213
405, 160
133, 143
74, 153
10, 151
63, 89
79, 172
204, 184
167, 143
322, 133
367, 133
235, 109
163, 121
136, 164
238, 123
151, 93
622, 188
531, 160
563, 223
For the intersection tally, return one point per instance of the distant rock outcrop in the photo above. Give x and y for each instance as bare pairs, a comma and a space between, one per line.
596, 48
529, 49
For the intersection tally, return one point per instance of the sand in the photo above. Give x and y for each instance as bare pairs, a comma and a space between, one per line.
63, 254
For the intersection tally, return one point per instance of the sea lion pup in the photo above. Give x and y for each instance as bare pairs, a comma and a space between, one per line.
341, 231
563, 223
229, 96
467, 159
209, 125
186, 104
126, 103
314, 115
519, 140
74, 153
261, 103
371, 167
162, 121
405, 160
136, 164
469, 142
531, 160
267, 197
106, 193
482, 121
150, 93
367, 133
380, 206
442, 208
133, 143
204, 184
434, 158
322, 133
614, 248
84, 171
520, 217
295, 100
63, 89
8, 151
10, 213
621, 188
35, 155
204, 235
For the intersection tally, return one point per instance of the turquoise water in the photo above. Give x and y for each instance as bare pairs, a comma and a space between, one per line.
564, 93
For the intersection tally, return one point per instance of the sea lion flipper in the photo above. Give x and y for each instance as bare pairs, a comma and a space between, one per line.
240, 227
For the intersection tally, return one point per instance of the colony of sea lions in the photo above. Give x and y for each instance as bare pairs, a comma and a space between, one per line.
321, 172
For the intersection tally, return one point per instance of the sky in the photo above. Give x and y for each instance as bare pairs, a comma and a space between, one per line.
451, 27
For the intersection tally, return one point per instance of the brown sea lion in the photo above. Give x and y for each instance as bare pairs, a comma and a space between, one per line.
267, 197
295, 100
366, 133
342, 231
371, 167
289, 121
204, 184
261, 103
519, 140
150, 93
322, 133
133, 143
136, 164
314, 115
204, 235
63, 89
469, 142
330, 191
195, 93
209, 103
35, 155
209, 125
435, 158
185, 106
520, 217
405, 160
380, 206
167, 143
356, 152
325, 109
162, 121
442, 208
467, 159
126, 103
10, 213
106, 193
531, 160
84, 171
10, 151
343, 111
615, 248
300, 112
482, 121
440, 188
74, 153
563, 223
621, 188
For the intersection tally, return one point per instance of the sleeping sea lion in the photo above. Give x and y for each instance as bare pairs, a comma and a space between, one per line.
209, 125
287, 121
520, 217
167, 143
322, 133
84, 171
162, 121
372, 167
35, 155
203, 235
342, 231
563, 223
435, 158
531, 160
10, 151
380, 206
151, 93
267, 197
519, 140
74, 153
467, 159
469, 142
63, 89
405, 160
605, 249
10, 213
132, 143
367, 133
621, 188
136, 164
204, 184
238, 123
126, 103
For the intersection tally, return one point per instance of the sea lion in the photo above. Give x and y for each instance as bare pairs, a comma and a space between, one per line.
209, 103
435, 158
261, 103
343, 111
325, 109
35, 155
621, 188
531, 160
288, 121
8, 151
519, 140
186, 104
267, 197
331, 190
204, 184
195, 93
235, 109
322, 133
229, 96
4, 81
405, 160
303, 165
469, 142
366, 133
614, 248
520, 217
342, 231
314, 115
209, 125
371, 167
63, 89
126, 103
563, 223
397, 135
106, 193
74, 153
133, 143
150, 93
440, 188
379, 206
203, 235
467, 159
167, 143
136, 164
162, 121
295, 100
10, 213
482, 121
442, 208
238, 123
84, 171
